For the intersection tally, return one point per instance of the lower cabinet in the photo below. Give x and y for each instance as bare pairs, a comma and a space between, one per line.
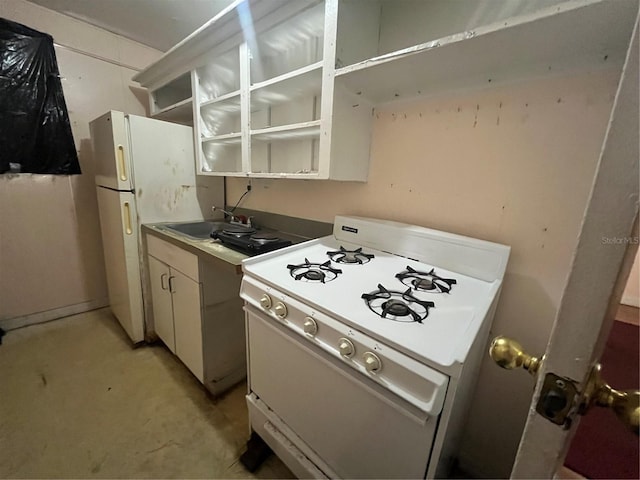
187, 321
197, 313
159, 275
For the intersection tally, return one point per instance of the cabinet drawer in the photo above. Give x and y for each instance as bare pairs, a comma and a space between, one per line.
173, 256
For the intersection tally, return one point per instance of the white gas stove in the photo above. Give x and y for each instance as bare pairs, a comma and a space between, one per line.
377, 327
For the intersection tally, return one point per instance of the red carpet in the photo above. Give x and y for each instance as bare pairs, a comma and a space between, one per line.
602, 447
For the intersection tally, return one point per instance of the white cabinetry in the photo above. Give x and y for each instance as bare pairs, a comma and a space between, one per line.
172, 101
159, 275
197, 314
187, 320
263, 97
176, 300
415, 48
258, 106
287, 89
217, 107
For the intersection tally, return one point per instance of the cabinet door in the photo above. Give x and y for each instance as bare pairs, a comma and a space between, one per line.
187, 322
161, 300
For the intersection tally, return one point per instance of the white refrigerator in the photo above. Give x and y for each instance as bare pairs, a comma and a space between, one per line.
145, 173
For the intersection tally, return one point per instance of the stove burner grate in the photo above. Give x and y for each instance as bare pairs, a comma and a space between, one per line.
314, 272
397, 306
356, 256
426, 281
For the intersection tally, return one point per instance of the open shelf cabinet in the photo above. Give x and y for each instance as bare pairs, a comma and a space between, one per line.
181, 112
173, 101
260, 103
294, 96
537, 40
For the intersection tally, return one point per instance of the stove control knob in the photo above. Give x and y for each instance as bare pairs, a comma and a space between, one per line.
280, 310
310, 326
265, 301
372, 363
346, 347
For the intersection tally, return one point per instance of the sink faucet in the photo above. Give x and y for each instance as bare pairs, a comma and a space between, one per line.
237, 219
214, 208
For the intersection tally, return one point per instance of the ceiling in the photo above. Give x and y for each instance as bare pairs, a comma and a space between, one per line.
157, 23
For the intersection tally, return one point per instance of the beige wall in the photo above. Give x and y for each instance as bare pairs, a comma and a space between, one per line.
51, 261
513, 165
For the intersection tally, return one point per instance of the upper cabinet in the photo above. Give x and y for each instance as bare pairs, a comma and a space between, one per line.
285, 90
258, 104
217, 107
427, 47
282, 89
172, 101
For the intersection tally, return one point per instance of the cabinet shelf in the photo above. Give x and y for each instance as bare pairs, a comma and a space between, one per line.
172, 94
221, 117
288, 132
231, 98
302, 175
226, 139
295, 43
181, 112
302, 82
563, 38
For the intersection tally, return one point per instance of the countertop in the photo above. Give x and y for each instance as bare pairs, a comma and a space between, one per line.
206, 249
210, 250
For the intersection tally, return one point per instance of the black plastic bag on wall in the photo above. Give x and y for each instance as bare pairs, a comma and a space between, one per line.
35, 133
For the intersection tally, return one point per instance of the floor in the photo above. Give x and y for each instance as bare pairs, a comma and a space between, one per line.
77, 401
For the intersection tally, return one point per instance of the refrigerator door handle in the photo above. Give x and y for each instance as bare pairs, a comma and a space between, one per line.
121, 164
163, 279
127, 219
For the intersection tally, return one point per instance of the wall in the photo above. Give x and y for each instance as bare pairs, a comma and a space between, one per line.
512, 164
51, 261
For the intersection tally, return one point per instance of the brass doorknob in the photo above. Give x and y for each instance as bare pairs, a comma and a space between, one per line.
509, 354
558, 394
624, 403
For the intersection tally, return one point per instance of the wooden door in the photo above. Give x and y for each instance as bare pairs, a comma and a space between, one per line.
602, 260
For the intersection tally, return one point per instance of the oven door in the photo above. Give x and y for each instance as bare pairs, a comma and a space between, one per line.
356, 427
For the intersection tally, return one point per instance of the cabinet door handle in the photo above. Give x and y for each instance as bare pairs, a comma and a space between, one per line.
163, 279
122, 164
171, 284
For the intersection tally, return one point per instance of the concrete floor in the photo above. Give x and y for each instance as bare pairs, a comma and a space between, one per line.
77, 401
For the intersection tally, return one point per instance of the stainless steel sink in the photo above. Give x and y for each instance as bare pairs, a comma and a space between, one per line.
197, 230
